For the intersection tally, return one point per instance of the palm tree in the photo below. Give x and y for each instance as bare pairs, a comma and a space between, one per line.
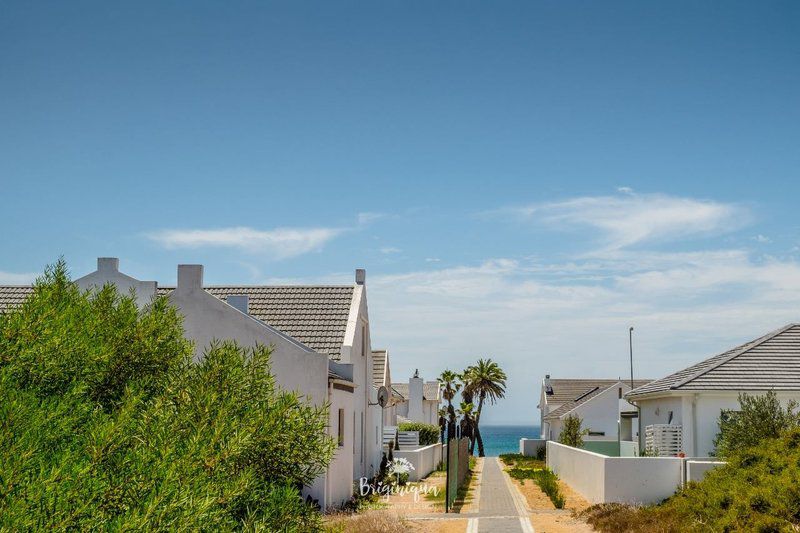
467, 413
487, 381
450, 386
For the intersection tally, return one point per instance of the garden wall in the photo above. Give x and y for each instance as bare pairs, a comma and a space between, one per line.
530, 447
602, 479
425, 460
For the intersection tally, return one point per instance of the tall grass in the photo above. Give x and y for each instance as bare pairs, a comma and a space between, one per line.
545, 479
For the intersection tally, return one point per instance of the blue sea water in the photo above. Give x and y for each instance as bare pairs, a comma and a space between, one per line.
505, 439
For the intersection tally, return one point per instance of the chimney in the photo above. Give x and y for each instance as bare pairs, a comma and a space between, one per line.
415, 397
108, 264
240, 302
190, 277
548, 388
361, 276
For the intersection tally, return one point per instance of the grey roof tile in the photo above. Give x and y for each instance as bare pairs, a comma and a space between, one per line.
314, 315
768, 362
570, 393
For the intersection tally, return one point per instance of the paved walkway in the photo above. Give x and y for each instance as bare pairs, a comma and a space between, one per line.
502, 509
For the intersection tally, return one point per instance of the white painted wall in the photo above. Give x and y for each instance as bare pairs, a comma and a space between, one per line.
339, 474
601, 479
698, 413
425, 460
531, 447
108, 273
697, 470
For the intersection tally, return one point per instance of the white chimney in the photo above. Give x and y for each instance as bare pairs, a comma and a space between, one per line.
190, 277
240, 302
108, 264
361, 276
415, 396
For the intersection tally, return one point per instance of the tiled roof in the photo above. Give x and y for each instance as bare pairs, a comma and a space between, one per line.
378, 367
430, 390
567, 390
314, 315
13, 295
769, 362
589, 393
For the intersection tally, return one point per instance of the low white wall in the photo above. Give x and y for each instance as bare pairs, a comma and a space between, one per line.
628, 448
425, 460
530, 447
697, 470
601, 479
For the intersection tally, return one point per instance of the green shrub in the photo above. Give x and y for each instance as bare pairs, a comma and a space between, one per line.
107, 424
758, 490
428, 433
758, 418
572, 434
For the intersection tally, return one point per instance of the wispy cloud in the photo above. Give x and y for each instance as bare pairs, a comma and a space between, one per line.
631, 219
369, 217
390, 250
12, 278
280, 243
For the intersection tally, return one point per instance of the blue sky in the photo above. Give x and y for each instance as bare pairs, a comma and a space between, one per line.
520, 180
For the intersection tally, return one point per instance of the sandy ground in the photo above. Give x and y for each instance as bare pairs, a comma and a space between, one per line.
544, 517
438, 526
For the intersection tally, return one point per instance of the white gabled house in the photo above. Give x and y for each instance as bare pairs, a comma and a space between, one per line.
321, 349
691, 400
417, 400
598, 402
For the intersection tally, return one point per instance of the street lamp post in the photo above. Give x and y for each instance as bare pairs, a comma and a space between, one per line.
630, 344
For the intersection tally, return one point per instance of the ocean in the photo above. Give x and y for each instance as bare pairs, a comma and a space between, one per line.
505, 439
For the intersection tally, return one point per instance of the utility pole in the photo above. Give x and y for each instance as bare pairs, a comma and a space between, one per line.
630, 344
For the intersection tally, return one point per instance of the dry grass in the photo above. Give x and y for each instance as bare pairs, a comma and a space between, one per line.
619, 518
368, 522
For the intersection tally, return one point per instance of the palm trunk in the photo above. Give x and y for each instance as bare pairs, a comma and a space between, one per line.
478, 427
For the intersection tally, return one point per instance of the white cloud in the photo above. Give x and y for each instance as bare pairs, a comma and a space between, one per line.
762, 239
632, 219
12, 278
625, 190
390, 250
369, 217
279, 243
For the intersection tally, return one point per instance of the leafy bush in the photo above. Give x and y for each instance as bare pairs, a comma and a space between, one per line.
428, 433
758, 490
106, 423
758, 418
571, 433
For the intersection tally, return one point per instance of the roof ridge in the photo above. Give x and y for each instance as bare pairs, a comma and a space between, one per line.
746, 347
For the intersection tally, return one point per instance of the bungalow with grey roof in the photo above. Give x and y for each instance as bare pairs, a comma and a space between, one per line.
687, 404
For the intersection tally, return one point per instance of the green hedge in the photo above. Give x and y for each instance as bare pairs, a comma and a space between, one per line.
106, 423
428, 433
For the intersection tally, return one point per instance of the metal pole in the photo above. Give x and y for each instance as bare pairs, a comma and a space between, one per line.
630, 344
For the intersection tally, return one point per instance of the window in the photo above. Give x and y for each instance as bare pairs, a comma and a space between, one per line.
341, 427
363, 341
620, 393
597, 433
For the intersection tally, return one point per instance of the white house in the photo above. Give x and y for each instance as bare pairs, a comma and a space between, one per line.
692, 399
417, 400
320, 338
598, 402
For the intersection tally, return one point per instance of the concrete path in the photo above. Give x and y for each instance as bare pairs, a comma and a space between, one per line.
501, 509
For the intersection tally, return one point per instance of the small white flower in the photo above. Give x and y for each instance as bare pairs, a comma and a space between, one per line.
401, 466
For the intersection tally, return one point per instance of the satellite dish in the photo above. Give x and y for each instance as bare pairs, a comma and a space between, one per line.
383, 396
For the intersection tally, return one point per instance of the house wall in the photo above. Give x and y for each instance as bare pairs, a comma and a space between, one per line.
108, 272
430, 412
698, 413
368, 419
295, 367
601, 414
339, 474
